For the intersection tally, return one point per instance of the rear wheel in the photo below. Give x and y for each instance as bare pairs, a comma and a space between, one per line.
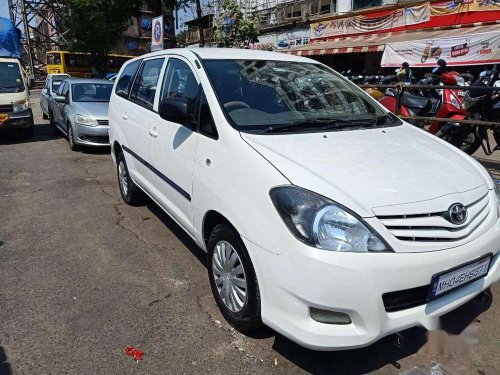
129, 191
233, 280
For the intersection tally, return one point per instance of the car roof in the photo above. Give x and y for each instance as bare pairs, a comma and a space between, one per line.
227, 53
88, 80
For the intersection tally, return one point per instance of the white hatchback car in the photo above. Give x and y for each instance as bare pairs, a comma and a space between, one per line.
324, 216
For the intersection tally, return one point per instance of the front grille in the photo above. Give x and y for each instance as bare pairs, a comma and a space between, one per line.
94, 139
6, 108
103, 122
434, 227
405, 299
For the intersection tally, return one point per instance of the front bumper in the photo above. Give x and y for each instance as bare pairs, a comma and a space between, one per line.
351, 283
18, 120
95, 136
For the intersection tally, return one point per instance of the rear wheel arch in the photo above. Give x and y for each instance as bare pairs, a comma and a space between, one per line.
117, 149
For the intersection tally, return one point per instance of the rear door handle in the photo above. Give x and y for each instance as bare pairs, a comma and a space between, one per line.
153, 133
124, 116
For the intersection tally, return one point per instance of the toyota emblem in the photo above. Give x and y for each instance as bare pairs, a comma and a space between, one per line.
457, 213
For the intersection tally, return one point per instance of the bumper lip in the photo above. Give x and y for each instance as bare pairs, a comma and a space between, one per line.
290, 283
95, 131
21, 119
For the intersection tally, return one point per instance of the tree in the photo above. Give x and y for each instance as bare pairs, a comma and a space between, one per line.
94, 26
233, 28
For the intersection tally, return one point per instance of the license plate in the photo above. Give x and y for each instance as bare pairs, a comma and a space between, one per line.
447, 281
3, 117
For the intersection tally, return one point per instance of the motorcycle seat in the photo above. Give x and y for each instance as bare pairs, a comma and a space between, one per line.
416, 102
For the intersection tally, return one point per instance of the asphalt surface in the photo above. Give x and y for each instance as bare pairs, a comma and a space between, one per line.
83, 276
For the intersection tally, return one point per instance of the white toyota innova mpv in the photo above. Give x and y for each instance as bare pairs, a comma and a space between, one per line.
323, 215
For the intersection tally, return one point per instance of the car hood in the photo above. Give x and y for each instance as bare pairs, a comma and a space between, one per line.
364, 169
98, 110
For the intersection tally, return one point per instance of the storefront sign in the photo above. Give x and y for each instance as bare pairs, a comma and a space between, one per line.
283, 40
366, 23
453, 7
475, 49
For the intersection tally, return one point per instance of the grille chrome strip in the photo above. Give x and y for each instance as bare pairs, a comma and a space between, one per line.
434, 227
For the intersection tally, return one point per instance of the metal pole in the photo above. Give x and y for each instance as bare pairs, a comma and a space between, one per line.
28, 40
11, 11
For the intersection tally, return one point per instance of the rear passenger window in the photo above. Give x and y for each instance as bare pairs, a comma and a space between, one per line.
126, 78
144, 90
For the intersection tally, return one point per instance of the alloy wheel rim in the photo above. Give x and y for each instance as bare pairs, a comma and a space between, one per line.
122, 175
229, 275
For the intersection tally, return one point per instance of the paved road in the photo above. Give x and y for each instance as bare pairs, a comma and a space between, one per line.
82, 276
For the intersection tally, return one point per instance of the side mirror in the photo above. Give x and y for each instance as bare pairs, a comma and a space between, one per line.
60, 99
46, 91
175, 110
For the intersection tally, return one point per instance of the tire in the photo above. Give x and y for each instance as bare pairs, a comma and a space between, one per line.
242, 313
464, 138
71, 139
130, 192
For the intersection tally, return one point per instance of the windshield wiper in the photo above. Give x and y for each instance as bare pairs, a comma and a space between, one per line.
327, 124
318, 123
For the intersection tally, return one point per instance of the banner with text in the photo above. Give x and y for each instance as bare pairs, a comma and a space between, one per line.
453, 7
475, 49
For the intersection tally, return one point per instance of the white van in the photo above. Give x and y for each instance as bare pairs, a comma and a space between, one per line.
323, 215
15, 111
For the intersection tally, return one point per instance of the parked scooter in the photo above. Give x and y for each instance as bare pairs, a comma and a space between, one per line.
444, 103
481, 105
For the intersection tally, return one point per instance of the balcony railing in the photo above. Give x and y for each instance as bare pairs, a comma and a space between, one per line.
193, 35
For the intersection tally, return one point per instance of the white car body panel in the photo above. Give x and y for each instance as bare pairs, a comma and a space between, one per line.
380, 172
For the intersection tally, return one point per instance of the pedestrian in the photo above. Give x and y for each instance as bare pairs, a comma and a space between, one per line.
440, 68
404, 73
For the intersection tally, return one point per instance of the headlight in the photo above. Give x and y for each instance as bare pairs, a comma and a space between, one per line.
21, 105
324, 224
86, 120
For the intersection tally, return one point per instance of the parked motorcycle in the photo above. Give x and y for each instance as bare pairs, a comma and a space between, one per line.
444, 103
481, 105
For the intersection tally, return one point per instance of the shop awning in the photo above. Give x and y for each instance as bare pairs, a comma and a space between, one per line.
377, 42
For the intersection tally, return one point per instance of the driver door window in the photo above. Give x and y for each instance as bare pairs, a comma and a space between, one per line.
179, 81
144, 89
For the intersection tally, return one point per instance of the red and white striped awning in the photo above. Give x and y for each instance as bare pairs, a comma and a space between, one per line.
377, 42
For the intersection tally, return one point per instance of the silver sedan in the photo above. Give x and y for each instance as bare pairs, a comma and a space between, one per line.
80, 111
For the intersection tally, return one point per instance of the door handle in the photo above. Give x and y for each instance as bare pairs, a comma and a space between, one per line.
124, 116
153, 133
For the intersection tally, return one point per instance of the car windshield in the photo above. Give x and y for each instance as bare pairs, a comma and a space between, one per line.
91, 92
10, 78
267, 95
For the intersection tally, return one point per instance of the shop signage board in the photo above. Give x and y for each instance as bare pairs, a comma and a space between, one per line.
283, 40
474, 49
157, 34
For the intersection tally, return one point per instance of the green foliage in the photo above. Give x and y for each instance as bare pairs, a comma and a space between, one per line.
94, 26
233, 28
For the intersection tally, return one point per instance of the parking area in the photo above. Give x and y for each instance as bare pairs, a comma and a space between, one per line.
83, 276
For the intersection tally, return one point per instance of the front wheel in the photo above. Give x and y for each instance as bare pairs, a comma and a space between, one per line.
232, 279
71, 139
465, 138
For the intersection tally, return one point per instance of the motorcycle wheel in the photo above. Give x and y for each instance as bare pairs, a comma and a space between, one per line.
466, 139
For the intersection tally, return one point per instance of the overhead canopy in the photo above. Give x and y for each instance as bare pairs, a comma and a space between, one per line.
377, 42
